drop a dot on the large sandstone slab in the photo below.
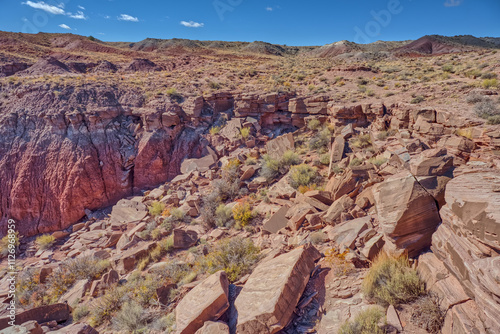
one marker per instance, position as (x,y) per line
(278,146)
(268,299)
(206,302)
(468,241)
(407,213)
(55,312)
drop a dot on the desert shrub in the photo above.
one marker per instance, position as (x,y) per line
(131,318)
(224,216)
(494,120)
(361,141)
(242,214)
(289,158)
(156,208)
(250,161)
(324,159)
(156,234)
(317,237)
(244,133)
(210,203)
(6,244)
(427,313)
(173,94)
(355,162)
(366,322)
(382,135)
(84,267)
(80,312)
(272,168)
(448,68)
(489,75)
(236,256)
(486,109)
(167,244)
(377,161)
(338,262)
(490,83)
(164,324)
(215,130)
(303,175)
(313,124)
(417,99)
(391,280)
(29,291)
(337,170)
(45,241)
(474,98)
(321,139)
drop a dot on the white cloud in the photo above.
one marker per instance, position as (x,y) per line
(453,3)
(192,24)
(79,15)
(125,17)
(269,9)
(64,26)
(56,10)
(81,7)
(107,17)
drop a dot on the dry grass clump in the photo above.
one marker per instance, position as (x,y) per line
(391,280)
(427,313)
(303,175)
(45,241)
(366,322)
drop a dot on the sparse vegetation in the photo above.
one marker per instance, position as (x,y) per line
(391,280)
(366,322)
(224,216)
(303,175)
(156,208)
(272,168)
(321,139)
(427,313)
(236,256)
(242,214)
(313,124)
(45,241)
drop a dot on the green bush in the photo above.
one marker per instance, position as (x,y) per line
(366,322)
(321,139)
(45,241)
(272,168)
(80,312)
(242,214)
(5,243)
(131,318)
(224,216)
(313,124)
(325,159)
(303,175)
(355,162)
(244,133)
(361,141)
(490,83)
(417,100)
(156,208)
(236,256)
(391,280)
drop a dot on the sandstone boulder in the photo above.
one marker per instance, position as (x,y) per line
(77,328)
(278,146)
(212,327)
(407,213)
(268,299)
(55,312)
(468,241)
(206,302)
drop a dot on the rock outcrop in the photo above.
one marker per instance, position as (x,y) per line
(268,299)
(468,243)
(206,302)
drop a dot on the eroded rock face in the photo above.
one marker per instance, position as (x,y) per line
(268,299)
(468,241)
(407,213)
(206,302)
(83,149)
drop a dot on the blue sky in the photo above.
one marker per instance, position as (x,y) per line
(288,22)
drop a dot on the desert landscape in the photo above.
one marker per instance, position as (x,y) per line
(184,186)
